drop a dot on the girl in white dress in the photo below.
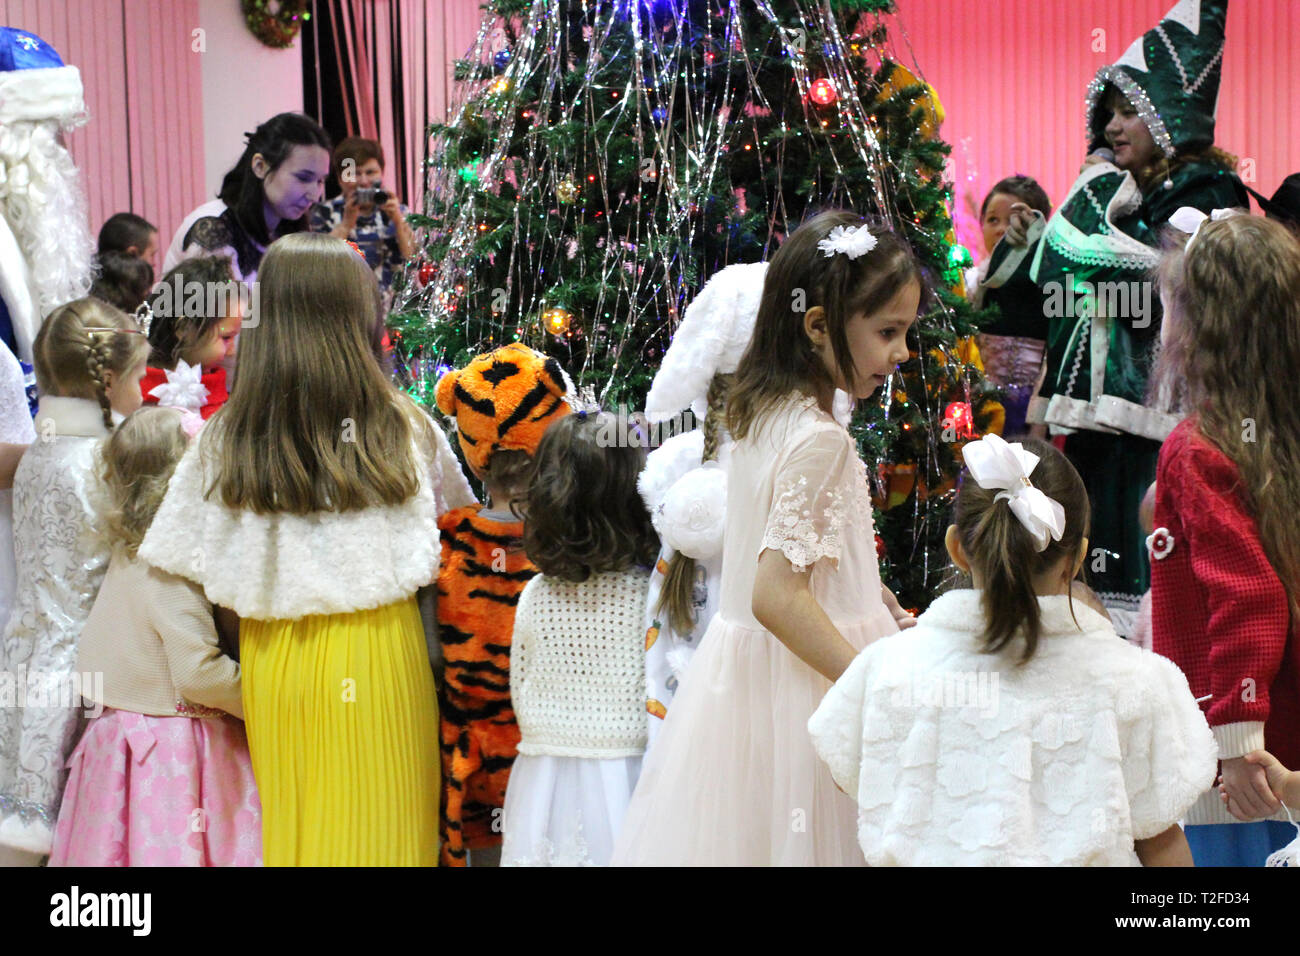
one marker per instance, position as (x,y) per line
(577,659)
(1013,726)
(733,779)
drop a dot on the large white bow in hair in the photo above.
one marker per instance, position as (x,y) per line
(994,463)
(1189,219)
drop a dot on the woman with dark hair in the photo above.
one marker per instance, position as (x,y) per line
(268,194)
(1085,274)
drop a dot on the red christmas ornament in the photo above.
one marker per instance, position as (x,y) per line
(959,418)
(822,92)
(880,548)
(425,273)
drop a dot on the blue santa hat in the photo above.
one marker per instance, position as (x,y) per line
(35,84)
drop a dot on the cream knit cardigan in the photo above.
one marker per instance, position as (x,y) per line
(577,666)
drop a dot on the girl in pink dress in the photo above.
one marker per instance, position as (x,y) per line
(733,779)
(162,777)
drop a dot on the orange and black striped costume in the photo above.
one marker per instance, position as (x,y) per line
(482,574)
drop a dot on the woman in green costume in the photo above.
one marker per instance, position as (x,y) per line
(1085,274)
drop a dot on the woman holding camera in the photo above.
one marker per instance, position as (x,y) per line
(365,212)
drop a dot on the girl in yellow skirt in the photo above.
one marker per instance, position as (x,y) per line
(309,507)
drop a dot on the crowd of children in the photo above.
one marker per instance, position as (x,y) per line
(265,689)
(255,614)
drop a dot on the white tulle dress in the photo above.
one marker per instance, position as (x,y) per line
(733,779)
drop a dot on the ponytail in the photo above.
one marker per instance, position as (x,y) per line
(1002,551)
(676,600)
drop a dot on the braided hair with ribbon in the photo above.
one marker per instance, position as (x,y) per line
(1021,517)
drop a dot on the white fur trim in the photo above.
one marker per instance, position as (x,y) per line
(1135,419)
(79,417)
(34,837)
(37,95)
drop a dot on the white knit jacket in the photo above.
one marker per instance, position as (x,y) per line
(960,758)
(577,666)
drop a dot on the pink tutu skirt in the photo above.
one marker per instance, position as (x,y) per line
(733,779)
(160,791)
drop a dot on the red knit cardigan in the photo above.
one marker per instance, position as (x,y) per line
(1218,609)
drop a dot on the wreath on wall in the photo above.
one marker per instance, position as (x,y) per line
(276,22)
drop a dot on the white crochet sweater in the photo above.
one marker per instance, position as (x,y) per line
(960,758)
(577,666)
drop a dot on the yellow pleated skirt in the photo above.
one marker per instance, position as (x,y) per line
(342,722)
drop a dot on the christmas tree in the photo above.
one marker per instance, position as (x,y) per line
(605,157)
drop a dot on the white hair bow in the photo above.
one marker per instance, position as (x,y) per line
(183,389)
(1189,219)
(994,463)
(853,241)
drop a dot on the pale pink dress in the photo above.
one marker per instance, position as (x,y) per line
(160,791)
(733,779)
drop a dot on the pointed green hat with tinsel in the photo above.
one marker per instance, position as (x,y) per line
(1171,76)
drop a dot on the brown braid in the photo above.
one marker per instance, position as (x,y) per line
(73,360)
(97,357)
(675,599)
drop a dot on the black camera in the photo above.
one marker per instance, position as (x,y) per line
(371,194)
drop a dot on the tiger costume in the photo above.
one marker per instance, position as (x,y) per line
(502,400)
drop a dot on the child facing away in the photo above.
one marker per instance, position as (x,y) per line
(502,403)
(578,658)
(194,319)
(89,358)
(1013,726)
(1225,553)
(309,506)
(162,776)
(733,779)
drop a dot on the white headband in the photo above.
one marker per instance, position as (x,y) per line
(1189,219)
(995,464)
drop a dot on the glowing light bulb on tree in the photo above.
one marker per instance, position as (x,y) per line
(822,92)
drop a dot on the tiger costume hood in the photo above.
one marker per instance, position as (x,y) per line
(505,398)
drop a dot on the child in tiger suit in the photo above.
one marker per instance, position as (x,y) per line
(502,403)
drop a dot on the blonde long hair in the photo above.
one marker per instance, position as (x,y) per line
(314,424)
(138,461)
(79,344)
(1232,346)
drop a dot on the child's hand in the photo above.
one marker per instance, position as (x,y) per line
(901,617)
(1245,789)
(1019,219)
(1284,783)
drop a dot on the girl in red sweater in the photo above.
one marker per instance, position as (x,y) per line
(1225,553)
(195,315)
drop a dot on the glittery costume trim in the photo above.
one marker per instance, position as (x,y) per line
(1137,96)
(26,811)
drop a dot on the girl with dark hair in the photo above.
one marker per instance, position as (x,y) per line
(577,662)
(191,335)
(732,779)
(1012,726)
(267,194)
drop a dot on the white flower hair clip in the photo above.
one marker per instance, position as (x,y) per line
(853,241)
(184,388)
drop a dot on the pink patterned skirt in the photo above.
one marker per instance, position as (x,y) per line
(160,791)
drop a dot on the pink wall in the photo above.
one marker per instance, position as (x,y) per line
(1011,75)
(142,150)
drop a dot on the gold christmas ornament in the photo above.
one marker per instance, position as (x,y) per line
(556,321)
(567,190)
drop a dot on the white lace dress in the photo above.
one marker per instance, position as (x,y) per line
(733,779)
(961,758)
(59,572)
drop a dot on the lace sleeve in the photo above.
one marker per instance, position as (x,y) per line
(813,499)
